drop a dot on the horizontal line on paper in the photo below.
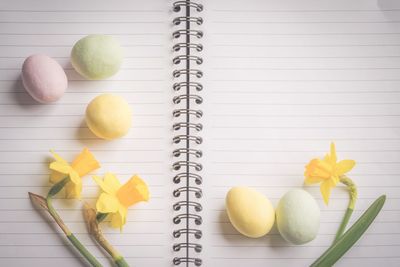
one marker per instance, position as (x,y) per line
(303,116)
(83,11)
(306,10)
(288,245)
(77,104)
(335,222)
(43,174)
(301,258)
(82,34)
(272,162)
(79,257)
(367,233)
(304,34)
(302,104)
(137,68)
(82,22)
(115,80)
(298,127)
(288,151)
(116,173)
(296,69)
(305,57)
(70,115)
(291,175)
(325,211)
(76,209)
(67,127)
(79,138)
(86,245)
(61,198)
(310,139)
(305,80)
(92,149)
(333,92)
(49,186)
(104,162)
(84,233)
(67,57)
(55,45)
(319,198)
(300,186)
(95,92)
(71,221)
(302,22)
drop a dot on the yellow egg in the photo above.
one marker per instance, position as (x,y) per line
(109,116)
(249,211)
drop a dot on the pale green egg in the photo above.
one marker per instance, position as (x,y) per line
(97,56)
(249,211)
(298,217)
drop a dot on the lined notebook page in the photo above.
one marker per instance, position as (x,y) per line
(284,79)
(29,130)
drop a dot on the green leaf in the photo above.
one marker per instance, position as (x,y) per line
(348,239)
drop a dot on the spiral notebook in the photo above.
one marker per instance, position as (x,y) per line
(224,93)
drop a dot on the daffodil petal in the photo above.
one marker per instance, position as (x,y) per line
(74,176)
(109,184)
(56,176)
(345,166)
(60,167)
(58,158)
(73,190)
(333,156)
(111,181)
(326,190)
(107,203)
(118,219)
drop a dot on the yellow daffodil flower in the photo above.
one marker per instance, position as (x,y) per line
(327,171)
(84,163)
(116,198)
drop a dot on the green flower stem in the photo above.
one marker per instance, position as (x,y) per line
(352,202)
(79,246)
(121,262)
(351,236)
(50,208)
(343,225)
(92,220)
(118,258)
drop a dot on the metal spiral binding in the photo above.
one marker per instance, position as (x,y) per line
(187,129)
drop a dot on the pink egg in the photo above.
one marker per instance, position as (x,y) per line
(43,78)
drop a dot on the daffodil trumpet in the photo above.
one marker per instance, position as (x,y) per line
(329,172)
(113,202)
(68,177)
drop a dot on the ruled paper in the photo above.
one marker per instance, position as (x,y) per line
(283,80)
(28,130)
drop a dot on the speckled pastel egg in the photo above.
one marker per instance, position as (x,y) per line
(43,78)
(298,217)
(249,211)
(109,116)
(97,56)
